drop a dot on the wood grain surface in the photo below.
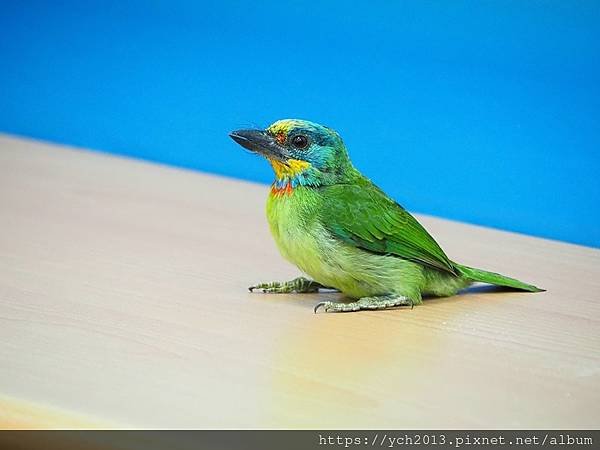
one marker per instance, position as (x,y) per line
(124,303)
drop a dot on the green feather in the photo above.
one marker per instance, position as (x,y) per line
(361,215)
(484,276)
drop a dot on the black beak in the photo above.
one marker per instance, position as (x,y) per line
(259,142)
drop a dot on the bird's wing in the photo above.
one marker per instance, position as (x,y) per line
(363,216)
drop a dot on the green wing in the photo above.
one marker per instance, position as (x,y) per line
(363,216)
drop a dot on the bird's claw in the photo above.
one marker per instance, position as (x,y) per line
(264,287)
(366,303)
(318,305)
(298,285)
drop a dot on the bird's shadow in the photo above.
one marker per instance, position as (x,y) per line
(477,289)
(489,289)
(335,295)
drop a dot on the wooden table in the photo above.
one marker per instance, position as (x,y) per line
(123,303)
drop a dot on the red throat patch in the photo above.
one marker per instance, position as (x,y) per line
(285,190)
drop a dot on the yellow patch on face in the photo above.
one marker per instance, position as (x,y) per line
(288,169)
(282,127)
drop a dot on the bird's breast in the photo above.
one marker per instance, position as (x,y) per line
(294,222)
(303,240)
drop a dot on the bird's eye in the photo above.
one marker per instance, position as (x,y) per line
(300,141)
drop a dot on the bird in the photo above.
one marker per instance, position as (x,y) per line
(344,232)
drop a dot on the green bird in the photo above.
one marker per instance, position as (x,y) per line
(344,232)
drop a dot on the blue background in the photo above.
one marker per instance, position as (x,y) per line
(485,112)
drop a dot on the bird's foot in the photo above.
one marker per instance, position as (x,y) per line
(368,303)
(299,285)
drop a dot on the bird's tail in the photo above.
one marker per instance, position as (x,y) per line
(494,278)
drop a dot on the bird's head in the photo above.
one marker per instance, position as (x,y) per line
(301,152)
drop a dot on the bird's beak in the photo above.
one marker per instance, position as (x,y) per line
(259,142)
